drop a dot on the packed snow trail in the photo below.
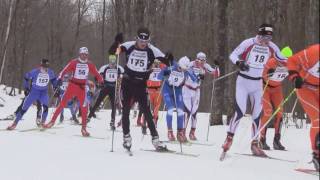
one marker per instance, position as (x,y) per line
(61,153)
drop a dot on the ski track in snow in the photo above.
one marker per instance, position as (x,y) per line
(61,154)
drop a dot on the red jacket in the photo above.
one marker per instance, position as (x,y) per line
(81,71)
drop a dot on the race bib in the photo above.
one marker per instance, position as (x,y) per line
(138,61)
(314,71)
(42,79)
(154,75)
(258,56)
(176,78)
(279,74)
(111,75)
(82,71)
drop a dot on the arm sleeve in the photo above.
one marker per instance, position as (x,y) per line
(26,80)
(53,79)
(277,53)
(293,65)
(93,70)
(66,70)
(164,72)
(236,53)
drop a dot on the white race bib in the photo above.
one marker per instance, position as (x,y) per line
(111,75)
(154,75)
(279,74)
(176,78)
(42,79)
(314,71)
(258,56)
(82,71)
(138,61)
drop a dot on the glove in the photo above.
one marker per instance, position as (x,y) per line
(298,81)
(59,83)
(201,76)
(169,57)
(119,38)
(57,92)
(243,66)
(26,91)
(270,72)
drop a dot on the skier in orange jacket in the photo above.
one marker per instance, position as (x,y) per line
(303,70)
(274,73)
(154,91)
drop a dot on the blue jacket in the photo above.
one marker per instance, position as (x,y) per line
(175,77)
(39,80)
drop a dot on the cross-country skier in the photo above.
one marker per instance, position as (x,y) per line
(274,73)
(80,68)
(140,55)
(154,91)
(110,72)
(172,94)
(251,56)
(304,70)
(40,78)
(191,90)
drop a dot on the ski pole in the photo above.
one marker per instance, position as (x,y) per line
(175,103)
(211,104)
(114,103)
(275,112)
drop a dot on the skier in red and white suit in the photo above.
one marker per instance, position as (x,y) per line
(80,68)
(191,90)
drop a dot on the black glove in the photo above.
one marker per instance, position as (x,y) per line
(201,76)
(169,58)
(26,91)
(270,72)
(298,81)
(243,66)
(57,92)
(119,38)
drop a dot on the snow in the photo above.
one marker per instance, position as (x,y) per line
(61,154)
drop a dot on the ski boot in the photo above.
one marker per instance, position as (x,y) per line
(263,144)
(277,144)
(127,141)
(12,126)
(192,135)
(181,136)
(256,151)
(38,122)
(144,130)
(61,119)
(84,132)
(74,118)
(112,126)
(171,136)
(158,144)
(228,142)
(315,160)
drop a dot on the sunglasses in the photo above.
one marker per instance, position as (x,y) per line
(266,37)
